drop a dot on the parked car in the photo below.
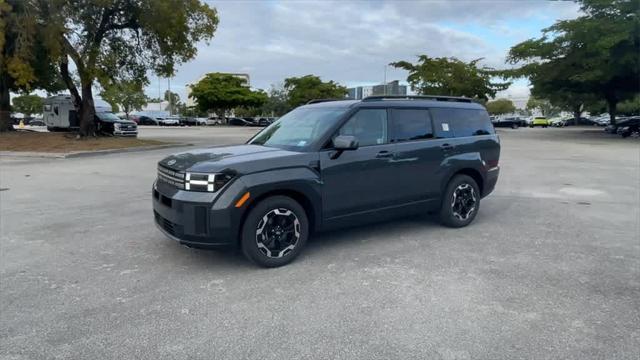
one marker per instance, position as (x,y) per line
(193,121)
(262,121)
(169,121)
(511,122)
(629,127)
(539,121)
(559,122)
(147,120)
(109,123)
(213,121)
(326,165)
(600,120)
(239,121)
(37,122)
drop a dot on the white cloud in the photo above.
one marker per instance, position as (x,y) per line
(351,42)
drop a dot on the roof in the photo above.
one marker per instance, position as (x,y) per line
(397,102)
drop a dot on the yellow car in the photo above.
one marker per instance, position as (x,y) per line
(539,121)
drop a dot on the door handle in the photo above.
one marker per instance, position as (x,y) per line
(384,154)
(446,147)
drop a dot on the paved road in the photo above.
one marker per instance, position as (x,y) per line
(550,269)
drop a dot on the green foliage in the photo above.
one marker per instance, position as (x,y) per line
(543,106)
(28,104)
(24,62)
(191,111)
(174,102)
(118,40)
(220,92)
(500,106)
(125,95)
(299,90)
(450,76)
(277,103)
(592,55)
(630,107)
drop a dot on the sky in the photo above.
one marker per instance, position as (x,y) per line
(351,42)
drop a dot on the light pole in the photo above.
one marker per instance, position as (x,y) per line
(385,80)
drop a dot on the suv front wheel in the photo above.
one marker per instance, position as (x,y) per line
(275,231)
(461,202)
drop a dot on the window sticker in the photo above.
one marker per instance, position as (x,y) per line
(445,127)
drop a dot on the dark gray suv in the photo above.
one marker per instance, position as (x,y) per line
(329,164)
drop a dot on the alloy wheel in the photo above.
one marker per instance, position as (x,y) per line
(278,232)
(464,201)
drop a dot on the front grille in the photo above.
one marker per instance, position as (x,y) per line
(167,225)
(171,177)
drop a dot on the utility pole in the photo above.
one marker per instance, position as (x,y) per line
(159,94)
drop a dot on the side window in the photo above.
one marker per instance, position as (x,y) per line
(461,122)
(411,124)
(55,110)
(369,126)
(442,123)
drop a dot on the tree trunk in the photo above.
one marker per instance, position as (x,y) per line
(87,112)
(613,105)
(577,111)
(5,105)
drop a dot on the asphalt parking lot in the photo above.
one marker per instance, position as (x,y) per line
(549,269)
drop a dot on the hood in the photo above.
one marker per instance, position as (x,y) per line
(234,159)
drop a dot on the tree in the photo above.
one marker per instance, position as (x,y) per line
(24,62)
(28,104)
(543,106)
(500,106)
(115,40)
(174,101)
(630,107)
(452,77)
(277,102)
(220,92)
(300,90)
(592,55)
(125,95)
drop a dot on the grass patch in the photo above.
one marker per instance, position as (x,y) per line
(66,142)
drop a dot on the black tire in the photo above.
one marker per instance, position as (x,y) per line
(275,209)
(514,126)
(448,216)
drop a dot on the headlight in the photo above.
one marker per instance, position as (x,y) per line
(116,125)
(205,182)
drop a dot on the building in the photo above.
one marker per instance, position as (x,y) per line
(190,102)
(390,88)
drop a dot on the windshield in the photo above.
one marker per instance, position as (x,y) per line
(298,128)
(107,116)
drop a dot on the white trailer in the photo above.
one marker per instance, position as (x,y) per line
(59,114)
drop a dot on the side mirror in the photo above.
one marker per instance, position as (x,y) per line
(345,142)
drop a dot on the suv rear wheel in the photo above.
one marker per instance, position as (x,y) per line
(461,202)
(275,231)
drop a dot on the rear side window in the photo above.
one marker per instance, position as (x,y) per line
(411,124)
(461,122)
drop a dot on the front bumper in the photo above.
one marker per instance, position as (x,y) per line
(125,133)
(197,219)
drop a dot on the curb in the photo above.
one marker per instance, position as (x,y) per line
(78,154)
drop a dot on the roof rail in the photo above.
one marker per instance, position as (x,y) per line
(418,97)
(315,101)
